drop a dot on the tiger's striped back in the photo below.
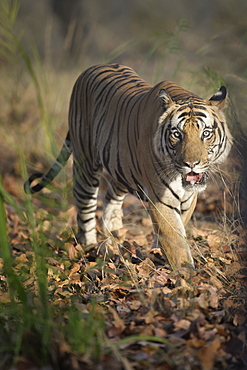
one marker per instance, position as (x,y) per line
(178,94)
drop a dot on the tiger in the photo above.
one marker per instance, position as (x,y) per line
(159,142)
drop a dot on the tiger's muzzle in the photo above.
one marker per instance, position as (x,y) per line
(193,175)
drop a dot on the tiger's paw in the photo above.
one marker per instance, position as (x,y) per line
(87,239)
(113,224)
(112,218)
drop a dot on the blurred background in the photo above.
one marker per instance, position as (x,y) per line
(78,32)
(46,44)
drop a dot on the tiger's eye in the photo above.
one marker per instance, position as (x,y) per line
(176,134)
(206,133)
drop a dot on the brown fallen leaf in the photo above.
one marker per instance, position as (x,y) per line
(216,282)
(207,354)
(182,324)
(214,241)
(148,330)
(122,309)
(134,305)
(159,277)
(195,342)
(145,268)
(75,268)
(72,251)
(199,232)
(146,222)
(202,300)
(159,332)
(117,321)
(198,327)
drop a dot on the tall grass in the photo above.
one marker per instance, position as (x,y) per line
(25,64)
(29,322)
(25,313)
(12,49)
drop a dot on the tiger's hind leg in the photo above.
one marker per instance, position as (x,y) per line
(86,186)
(112,216)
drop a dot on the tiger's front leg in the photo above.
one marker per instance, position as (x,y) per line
(112,216)
(171,235)
(85,189)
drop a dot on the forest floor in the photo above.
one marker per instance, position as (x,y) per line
(119,305)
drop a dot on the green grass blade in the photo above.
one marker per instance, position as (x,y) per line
(146,338)
(12,202)
(15,286)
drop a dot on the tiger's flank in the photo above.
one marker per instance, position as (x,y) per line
(160,138)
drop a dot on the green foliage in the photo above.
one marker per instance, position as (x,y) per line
(15,287)
(24,67)
(8,41)
(214,79)
(25,314)
(28,318)
(84,331)
(12,49)
(168,42)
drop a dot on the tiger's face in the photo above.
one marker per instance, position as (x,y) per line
(193,139)
(191,144)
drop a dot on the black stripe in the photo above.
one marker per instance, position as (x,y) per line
(171,190)
(184,114)
(201,107)
(184,201)
(215,125)
(164,130)
(136,134)
(88,220)
(165,204)
(199,114)
(184,210)
(161,178)
(84,194)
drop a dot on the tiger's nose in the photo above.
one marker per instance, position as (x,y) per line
(191,164)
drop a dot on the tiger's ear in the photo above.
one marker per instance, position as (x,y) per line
(165,98)
(219,98)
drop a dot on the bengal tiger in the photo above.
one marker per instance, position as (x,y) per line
(161,141)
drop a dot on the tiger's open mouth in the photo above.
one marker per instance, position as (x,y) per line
(194,178)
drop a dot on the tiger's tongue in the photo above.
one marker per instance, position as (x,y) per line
(192,176)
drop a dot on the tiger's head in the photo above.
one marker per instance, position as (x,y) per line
(193,136)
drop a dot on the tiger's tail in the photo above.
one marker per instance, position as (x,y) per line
(53,171)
